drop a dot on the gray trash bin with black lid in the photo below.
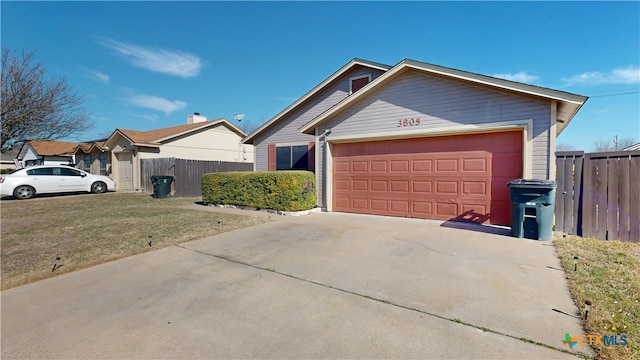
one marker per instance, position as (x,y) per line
(532,208)
(161,186)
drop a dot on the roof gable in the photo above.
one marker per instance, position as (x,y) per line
(568,103)
(52,148)
(323,85)
(157,137)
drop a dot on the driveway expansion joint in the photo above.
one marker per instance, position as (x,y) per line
(383,301)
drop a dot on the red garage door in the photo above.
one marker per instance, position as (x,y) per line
(461,177)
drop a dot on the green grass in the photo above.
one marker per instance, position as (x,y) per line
(608,275)
(86,230)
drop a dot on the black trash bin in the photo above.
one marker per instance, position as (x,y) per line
(161,186)
(532,208)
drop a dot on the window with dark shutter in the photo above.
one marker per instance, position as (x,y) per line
(292,157)
(357,83)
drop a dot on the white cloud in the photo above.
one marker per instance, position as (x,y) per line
(99,76)
(149,117)
(171,62)
(157,103)
(522,76)
(628,75)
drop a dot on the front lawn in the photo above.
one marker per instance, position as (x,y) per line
(86,230)
(607,275)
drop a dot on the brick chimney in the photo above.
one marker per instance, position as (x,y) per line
(196,118)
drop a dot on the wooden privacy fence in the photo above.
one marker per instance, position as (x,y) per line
(598,194)
(187,173)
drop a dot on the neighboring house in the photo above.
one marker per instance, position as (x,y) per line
(93,158)
(47,152)
(8,159)
(417,140)
(199,139)
(633,147)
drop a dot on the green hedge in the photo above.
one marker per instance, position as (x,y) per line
(277,190)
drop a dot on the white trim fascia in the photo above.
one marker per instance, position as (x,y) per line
(295,143)
(368,76)
(317,148)
(577,100)
(444,130)
(328,157)
(208,124)
(313,91)
(551,153)
(497,82)
(526,125)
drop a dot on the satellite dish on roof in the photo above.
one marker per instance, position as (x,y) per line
(238,117)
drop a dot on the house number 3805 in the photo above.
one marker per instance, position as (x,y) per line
(409,122)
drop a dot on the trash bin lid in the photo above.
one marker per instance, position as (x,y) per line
(532,183)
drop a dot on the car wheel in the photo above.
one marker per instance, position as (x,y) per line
(24,192)
(98,187)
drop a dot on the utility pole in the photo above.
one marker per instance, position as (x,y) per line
(615,142)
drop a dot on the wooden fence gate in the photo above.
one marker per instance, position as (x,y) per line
(598,194)
(187,173)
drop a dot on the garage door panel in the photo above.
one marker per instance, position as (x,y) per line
(399,166)
(423,209)
(379,185)
(341,203)
(341,185)
(379,205)
(474,188)
(378,166)
(399,186)
(340,167)
(475,165)
(448,210)
(360,204)
(399,206)
(422,186)
(360,185)
(446,187)
(422,165)
(446,165)
(359,166)
(462,177)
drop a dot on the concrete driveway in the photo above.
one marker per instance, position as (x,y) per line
(323,285)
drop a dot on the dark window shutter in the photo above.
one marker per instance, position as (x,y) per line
(312,156)
(357,84)
(272,157)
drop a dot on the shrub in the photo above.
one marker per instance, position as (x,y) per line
(277,190)
(6,171)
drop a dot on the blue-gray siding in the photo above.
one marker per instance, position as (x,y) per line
(441,102)
(286,130)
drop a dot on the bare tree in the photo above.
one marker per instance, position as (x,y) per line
(603,145)
(565,147)
(626,141)
(34,107)
(613,144)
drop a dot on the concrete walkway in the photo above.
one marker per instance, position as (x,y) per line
(318,286)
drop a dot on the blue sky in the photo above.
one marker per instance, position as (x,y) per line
(146,65)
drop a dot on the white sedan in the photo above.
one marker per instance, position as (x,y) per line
(46,179)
